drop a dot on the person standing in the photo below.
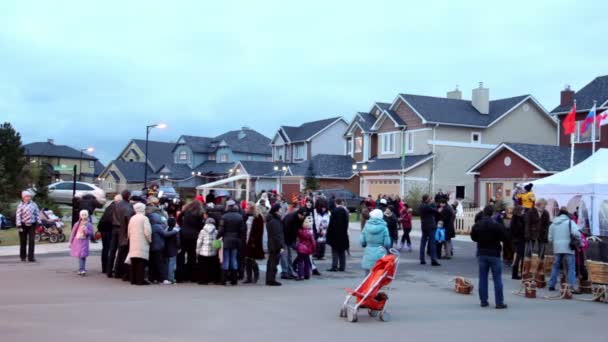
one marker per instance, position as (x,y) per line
(376,240)
(489,235)
(139,236)
(254,219)
(119,246)
(291,224)
(276,241)
(428,214)
(233,231)
(105,229)
(537,221)
(406,224)
(190,222)
(392,223)
(448,217)
(306,247)
(172,246)
(210,198)
(157,271)
(564,234)
(517,228)
(79,241)
(322,218)
(337,236)
(27,217)
(208,260)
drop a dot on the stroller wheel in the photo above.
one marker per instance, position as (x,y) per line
(385,316)
(53,238)
(62,237)
(351,315)
(343,312)
(37,238)
(372,313)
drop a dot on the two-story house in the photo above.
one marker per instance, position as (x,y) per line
(61,159)
(431,142)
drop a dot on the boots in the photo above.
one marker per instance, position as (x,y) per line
(223,278)
(248,272)
(540,275)
(234,277)
(256,272)
(527,274)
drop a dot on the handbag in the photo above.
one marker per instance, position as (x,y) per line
(573,245)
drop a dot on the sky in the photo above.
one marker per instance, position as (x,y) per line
(95,73)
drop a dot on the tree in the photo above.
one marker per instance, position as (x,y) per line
(12,165)
(312,182)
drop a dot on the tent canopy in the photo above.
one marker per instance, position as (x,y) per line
(217,185)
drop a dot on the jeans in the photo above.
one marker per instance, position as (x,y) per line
(171,265)
(231,261)
(520,249)
(487,264)
(82,264)
(287,262)
(428,237)
(338,259)
(106,241)
(557,263)
(156,267)
(26,237)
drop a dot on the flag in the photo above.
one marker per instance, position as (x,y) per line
(570,121)
(602,118)
(588,120)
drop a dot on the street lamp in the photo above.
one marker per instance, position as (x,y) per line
(148,128)
(88,150)
(282,169)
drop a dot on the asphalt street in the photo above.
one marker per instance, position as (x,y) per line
(48,301)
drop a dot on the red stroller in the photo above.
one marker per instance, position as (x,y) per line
(368,295)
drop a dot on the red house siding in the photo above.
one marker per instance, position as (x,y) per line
(410,118)
(495,167)
(564,140)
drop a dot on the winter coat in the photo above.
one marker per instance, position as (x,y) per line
(159,232)
(172,242)
(337,232)
(139,234)
(517,228)
(291,225)
(537,227)
(121,219)
(105,223)
(376,241)
(306,242)
(321,223)
(393,226)
(448,216)
(274,230)
(80,247)
(232,229)
(255,236)
(428,214)
(488,234)
(406,220)
(204,243)
(191,224)
(559,234)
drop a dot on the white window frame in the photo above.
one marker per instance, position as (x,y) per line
(358,144)
(300,151)
(91,164)
(384,139)
(478,142)
(349,146)
(409,145)
(279,154)
(183,153)
(577,133)
(223,157)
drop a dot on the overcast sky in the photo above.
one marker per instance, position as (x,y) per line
(95,75)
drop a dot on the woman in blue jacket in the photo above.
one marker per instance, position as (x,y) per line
(375,239)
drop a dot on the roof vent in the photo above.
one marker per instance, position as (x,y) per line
(51,141)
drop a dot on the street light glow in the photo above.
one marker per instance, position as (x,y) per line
(90,149)
(161,125)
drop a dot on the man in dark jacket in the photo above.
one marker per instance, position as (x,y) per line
(489,235)
(232,230)
(517,228)
(105,228)
(337,236)
(537,222)
(428,214)
(447,216)
(292,222)
(120,238)
(276,240)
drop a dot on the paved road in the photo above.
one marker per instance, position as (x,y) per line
(47,300)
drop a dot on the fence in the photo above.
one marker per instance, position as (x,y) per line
(464,223)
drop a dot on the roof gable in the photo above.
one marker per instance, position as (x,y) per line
(596,90)
(307,130)
(47,149)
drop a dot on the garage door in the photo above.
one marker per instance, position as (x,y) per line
(387,187)
(291,191)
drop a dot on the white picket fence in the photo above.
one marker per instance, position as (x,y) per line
(464,223)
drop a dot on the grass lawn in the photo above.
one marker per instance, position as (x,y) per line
(10,237)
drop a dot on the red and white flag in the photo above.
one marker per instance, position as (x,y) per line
(602,118)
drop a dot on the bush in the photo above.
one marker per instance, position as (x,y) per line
(414,198)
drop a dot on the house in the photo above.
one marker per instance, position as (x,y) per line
(594,92)
(189,162)
(293,144)
(61,159)
(509,164)
(430,143)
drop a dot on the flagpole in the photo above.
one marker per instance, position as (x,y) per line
(572,142)
(593,128)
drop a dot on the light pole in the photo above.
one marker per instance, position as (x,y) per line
(148,128)
(356,168)
(88,150)
(280,169)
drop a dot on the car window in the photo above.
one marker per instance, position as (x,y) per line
(83,187)
(63,186)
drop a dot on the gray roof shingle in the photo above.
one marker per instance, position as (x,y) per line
(326,166)
(160,153)
(395,164)
(133,171)
(211,167)
(198,144)
(306,130)
(595,90)
(246,141)
(46,149)
(395,117)
(551,158)
(459,112)
(259,168)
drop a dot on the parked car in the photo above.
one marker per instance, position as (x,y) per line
(352,200)
(61,192)
(5,223)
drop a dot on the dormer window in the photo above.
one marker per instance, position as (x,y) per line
(475,138)
(183,156)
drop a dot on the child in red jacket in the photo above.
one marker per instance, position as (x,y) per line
(405,218)
(305,247)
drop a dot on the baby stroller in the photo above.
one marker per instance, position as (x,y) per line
(52,233)
(368,295)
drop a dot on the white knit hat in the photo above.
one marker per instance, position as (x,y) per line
(26,193)
(376,213)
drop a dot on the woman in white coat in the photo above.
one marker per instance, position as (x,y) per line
(140,236)
(562,232)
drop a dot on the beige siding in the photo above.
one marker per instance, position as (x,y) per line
(127,155)
(330,141)
(451,165)
(530,126)
(419,178)
(421,138)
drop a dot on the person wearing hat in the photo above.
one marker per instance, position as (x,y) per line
(276,240)
(206,249)
(527,198)
(375,238)
(27,218)
(233,231)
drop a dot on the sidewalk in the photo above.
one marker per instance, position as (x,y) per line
(46,248)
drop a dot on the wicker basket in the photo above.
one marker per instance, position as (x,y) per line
(549,264)
(463,286)
(598,272)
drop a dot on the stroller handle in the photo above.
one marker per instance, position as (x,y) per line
(394,251)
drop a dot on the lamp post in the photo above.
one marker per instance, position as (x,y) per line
(281,170)
(88,150)
(148,128)
(357,168)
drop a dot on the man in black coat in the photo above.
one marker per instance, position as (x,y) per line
(489,235)
(232,230)
(337,236)
(292,222)
(428,213)
(276,240)
(105,228)
(517,229)
(447,216)
(120,238)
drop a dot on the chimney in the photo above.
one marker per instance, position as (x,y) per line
(455,94)
(51,141)
(481,99)
(567,97)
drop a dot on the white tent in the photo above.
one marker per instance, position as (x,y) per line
(220,185)
(588,181)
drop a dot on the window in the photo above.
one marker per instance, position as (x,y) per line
(224,157)
(183,156)
(475,138)
(110,185)
(83,187)
(358,144)
(64,186)
(349,146)
(460,191)
(300,151)
(249,157)
(91,164)
(587,135)
(279,153)
(387,143)
(212,157)
(409,142)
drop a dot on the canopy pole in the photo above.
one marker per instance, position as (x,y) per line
(571,150)
(247,189)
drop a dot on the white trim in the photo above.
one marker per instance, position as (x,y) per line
(356,144)
(366,146)
(417,179)
(381,177)
(454,124)
(495,152)
(402,170)
(381,136)
(460,144)
(351,127)
(478,140)
(543,172)
(285,135)
(419,130)
(399,97)
(406,144)
(326,127)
